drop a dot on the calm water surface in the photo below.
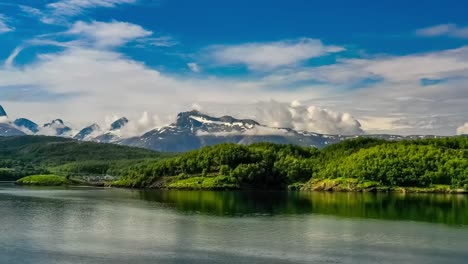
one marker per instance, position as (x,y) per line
(82,225)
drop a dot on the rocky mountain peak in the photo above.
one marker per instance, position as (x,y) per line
(87,132)
(28,124)
(2,112)
(197,119)
(119,123)
(54,122)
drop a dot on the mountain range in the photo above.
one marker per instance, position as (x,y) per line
(191,130)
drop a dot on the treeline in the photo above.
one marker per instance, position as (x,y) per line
(417,163)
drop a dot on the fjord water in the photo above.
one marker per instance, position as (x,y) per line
(86,225)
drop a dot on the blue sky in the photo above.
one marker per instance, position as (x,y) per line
(326,66)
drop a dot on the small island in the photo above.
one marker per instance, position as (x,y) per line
(44,180)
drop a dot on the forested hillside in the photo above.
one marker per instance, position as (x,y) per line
(28,155)
(358,164)
(362,162)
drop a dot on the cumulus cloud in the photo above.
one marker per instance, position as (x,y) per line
(449,30)
(307,117)
(260,56)
(110,34)
(143,124)
(463,130)
(4,27)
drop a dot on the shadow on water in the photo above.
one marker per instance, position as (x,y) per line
(437,208)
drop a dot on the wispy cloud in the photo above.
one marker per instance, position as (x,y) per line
(12,57)
(193,67)
(163,41)
(4,27)
(270,55)
(59,12)
(37,13)
(74,7)
(438,65)
(110,34)
(448,30)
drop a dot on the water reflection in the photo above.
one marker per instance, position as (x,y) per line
(439,208)
(86,225)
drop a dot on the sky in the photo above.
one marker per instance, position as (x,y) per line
(335,67)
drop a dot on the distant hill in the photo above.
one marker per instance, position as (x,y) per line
(352,165)
(22,155)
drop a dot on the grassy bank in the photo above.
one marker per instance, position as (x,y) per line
(355,185)
(44,180)
(211,182)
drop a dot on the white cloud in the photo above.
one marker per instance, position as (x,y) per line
(4,27)
(194,67)
(143,124)
(75,7)
(261,56)
(37,13)
(98,81)
(163,41)
(449,30)
(307,117)
(61,11)
(443,64)
(110,34)
(463,130)
(11,58)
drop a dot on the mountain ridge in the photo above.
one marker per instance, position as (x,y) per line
(192,130)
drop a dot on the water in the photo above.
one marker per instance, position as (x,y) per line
(83,225)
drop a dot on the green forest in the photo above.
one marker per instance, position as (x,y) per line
(362,163)
(352,165)
(30,155)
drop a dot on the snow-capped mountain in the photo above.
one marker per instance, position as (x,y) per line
(6,127)
(2,112)
(192,130)
(57,128)
(114,134)
(88,133)
(26,125)
(7,130)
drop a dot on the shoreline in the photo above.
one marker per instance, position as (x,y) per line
(315,185)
